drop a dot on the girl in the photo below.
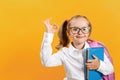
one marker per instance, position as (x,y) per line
(74,39)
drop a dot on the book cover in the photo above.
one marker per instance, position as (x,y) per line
(99,53)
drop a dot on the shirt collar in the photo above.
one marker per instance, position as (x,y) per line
(72,48)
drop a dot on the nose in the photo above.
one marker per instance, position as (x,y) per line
(80,32)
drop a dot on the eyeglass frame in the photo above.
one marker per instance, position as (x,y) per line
(80,29)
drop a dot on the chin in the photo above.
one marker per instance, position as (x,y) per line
(80,41)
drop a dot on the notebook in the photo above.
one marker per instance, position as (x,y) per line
(99,53)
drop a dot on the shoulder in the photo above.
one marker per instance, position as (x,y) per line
(94,43)
(65,49)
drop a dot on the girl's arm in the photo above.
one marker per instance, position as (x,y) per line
(49,59)
(106,66)
(46,50)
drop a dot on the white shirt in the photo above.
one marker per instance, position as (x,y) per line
(71,58)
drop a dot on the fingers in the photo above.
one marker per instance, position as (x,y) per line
(55,27)
(47,22)
(89,66)
(94,57)
(51,28)
(93,64)
(89,61)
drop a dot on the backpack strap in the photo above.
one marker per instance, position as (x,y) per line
(93,43)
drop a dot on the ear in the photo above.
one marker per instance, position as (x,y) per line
(68,33)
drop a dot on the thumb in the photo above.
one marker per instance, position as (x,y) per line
(94,57)
(47,22)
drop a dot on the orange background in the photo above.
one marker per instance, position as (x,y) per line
(21,33)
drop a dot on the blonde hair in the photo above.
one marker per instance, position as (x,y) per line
(62,34)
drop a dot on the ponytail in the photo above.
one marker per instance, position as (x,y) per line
(62,34)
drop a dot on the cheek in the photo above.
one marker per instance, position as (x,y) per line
(70,34)
(87,35)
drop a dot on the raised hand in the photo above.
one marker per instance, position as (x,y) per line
(50,28)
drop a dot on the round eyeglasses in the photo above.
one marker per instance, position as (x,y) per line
(76,30)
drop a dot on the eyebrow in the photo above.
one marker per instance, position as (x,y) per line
(79,27)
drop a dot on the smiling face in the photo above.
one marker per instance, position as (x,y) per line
(79,30)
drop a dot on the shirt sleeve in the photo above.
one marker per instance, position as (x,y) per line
(106,66)
(49,59)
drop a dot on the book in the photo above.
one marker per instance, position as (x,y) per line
(99,53)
